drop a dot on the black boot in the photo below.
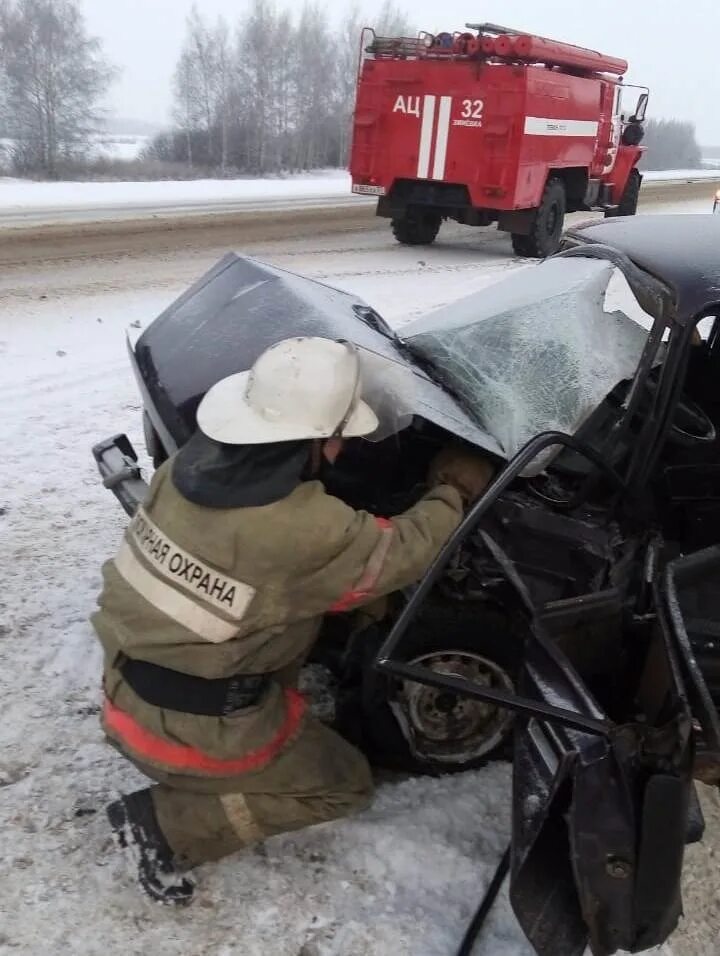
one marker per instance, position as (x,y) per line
(137,832)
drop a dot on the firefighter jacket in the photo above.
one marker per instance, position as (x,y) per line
(217,591)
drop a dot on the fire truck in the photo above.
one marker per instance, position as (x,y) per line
(493,125)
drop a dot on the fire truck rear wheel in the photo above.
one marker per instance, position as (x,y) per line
(547,227)
(416,229)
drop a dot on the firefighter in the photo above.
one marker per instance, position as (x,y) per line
(216,596)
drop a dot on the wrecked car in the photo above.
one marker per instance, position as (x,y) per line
(571,620)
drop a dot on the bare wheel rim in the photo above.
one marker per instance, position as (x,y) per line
(453,729)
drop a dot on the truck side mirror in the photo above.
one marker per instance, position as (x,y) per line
(640,109)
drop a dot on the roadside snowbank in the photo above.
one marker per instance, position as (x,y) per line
(16,195)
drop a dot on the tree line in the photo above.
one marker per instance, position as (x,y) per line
(671,144)
(268,93)
(271,92)
(52,78)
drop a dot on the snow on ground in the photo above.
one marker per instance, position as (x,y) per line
(108,145)
(402,878)
(678,175)
(116,146)
(17,196)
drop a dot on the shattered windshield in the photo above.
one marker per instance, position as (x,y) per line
(536,352)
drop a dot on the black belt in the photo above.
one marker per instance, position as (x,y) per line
(208,697)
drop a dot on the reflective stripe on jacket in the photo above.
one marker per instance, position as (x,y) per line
(213,592)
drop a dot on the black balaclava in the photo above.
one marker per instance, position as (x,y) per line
(215,475)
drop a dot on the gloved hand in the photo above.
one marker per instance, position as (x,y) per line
(467,471)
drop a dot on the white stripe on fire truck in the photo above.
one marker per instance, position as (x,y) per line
(441,141)
(541,126)
(426,131)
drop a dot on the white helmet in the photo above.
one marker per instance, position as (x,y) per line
(297,389)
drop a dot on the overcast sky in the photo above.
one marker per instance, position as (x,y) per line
(672,47)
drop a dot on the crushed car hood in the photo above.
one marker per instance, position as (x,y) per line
(534,352)
(240,308)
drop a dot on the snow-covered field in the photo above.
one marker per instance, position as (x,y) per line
(108,145)
(44,200)
(401,879)
(118,146)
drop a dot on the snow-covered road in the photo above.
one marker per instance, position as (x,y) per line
(400,879)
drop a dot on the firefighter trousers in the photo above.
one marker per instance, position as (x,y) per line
(316,778)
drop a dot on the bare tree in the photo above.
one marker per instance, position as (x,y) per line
(348,52)
(4,92)
(285,123)
(392,21)
(223,82)
(55,77)
(186,113)
(259,56)
(199,69)
(278,96)
(203,84)
(315,83)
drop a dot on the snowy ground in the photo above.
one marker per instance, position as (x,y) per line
(678,175)
(119,146)
(23,203)
(400,879)
(44,201)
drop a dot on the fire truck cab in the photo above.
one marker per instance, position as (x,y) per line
(493,125)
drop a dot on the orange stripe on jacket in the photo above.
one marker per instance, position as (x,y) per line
(362,589)
(147,746)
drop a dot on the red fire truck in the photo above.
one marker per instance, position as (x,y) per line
(493,125)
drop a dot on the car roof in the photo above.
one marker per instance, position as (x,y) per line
(683,251)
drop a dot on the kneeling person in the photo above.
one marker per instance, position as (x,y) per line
(216,596)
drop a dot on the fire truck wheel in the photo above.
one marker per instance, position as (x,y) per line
(544,237)
(416,229)
(630,197)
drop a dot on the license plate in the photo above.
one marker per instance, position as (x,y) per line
(369,190)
